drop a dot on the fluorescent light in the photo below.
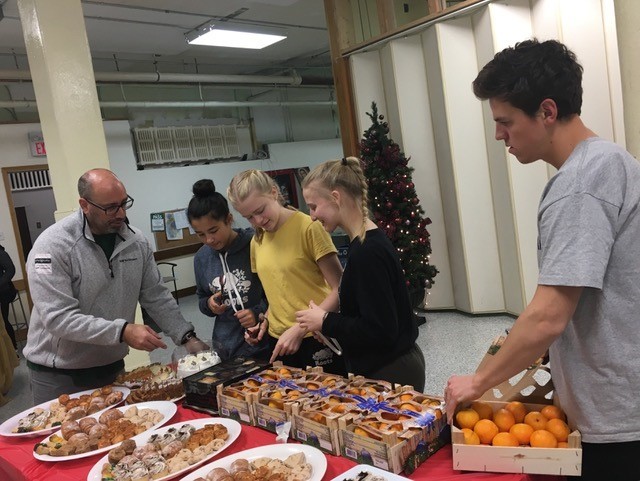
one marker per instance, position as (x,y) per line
(235,39)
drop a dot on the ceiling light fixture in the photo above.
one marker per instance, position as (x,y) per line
(218,37)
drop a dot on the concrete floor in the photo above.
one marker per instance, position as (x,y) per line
(452,343)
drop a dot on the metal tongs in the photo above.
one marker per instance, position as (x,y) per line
(331,342)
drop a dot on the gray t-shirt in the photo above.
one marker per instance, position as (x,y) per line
(589,236)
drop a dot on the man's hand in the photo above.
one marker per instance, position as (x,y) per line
(195,345)
(246,318)
(460,390)
(253,335)
(142,337)
(214,305)
(289,342)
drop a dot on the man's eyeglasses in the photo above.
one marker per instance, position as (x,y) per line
(112,209)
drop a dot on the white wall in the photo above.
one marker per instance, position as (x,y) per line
(154,189)
(486,237)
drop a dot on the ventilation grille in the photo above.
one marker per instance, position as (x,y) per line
(169,145)
(29,180)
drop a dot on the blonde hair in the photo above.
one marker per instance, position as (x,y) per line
(348,175)
(246,183)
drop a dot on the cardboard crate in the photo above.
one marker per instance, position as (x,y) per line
(201,388)
(393,451)
(271,410)
(236,404)
(313,426)
(522,459)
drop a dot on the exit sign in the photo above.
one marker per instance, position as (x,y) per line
(36,142)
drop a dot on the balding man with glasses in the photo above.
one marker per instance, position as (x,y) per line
(86,274)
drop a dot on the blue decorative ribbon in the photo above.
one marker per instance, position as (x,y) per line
(373,405)
(323,391)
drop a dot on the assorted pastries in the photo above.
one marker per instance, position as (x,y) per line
(293,468)
(68,408)
(163,454)
(88,434)
(194,363)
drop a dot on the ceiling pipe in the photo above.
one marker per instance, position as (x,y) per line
(159,77)
(31,104)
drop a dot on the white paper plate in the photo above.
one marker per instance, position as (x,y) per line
(314,456)
(166,408)
(10,424)
(353,472)
(233,428)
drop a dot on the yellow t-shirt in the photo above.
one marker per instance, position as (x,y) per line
(286,262)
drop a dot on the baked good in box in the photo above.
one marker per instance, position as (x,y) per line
(193,363)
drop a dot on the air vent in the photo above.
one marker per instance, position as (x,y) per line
(29,180)
(170,145)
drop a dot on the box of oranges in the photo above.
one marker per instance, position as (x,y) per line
(515,437)
(515,428)
(396,434)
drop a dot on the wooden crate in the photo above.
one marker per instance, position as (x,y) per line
(522,459)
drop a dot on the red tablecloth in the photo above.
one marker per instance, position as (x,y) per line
(18,464)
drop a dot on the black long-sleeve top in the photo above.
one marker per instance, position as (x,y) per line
(375,324)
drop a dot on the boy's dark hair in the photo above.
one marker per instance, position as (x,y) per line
(528,73)
(206,201)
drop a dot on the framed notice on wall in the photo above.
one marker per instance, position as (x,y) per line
(286,182)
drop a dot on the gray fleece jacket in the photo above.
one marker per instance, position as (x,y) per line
(82,300)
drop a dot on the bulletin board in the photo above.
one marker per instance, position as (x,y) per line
(171,248)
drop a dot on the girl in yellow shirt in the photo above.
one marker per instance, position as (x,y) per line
(297,263)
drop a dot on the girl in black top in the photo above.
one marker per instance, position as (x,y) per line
(375,326)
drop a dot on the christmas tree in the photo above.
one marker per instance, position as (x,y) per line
(395,206)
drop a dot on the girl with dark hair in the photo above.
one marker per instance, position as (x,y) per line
(226,287)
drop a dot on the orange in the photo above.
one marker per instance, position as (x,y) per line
(276,404)
(522,432)
(319,418)
(517,409)
(410,407)
(293,394)
(406,397)
(484,410)
(504,439)
(486,430)
(504,420)
(563,445)
(543,439)
(536,420)
(553,412)
(276,395)
(467,418)
(559,429)
(361,432)
(470,437)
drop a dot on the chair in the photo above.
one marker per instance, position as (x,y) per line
(171,278)
(25,320)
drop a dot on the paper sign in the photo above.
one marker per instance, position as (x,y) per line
(157,222)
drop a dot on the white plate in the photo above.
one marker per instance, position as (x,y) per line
(233,428)
(353,472)
(10,424)
(314,456)
(166,408)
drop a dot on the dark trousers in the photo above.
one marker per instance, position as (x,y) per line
(409,368)
(610,461)
(312,353)
(4,307)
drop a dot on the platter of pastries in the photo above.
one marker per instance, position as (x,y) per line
(49,416)
(99,433)
(167,452)
(275,462)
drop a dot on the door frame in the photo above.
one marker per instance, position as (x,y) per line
(14,221)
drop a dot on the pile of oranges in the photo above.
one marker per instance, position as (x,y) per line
(512,425)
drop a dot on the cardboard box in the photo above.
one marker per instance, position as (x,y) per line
(236,404)
(274,404)
(201,388)
(317,427)
(523,459)
(393,451)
